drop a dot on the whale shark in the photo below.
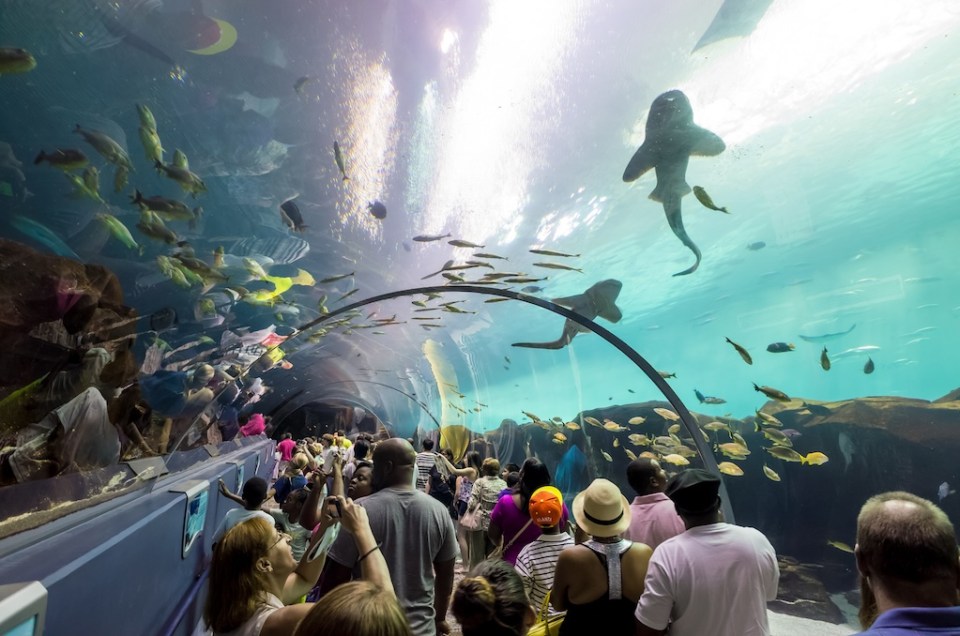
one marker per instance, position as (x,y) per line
(598,300)
(671,139)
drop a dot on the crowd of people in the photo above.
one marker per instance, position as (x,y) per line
(666,562)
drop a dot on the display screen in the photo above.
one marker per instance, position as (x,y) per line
(26,628)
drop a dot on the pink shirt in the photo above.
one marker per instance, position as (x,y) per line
(254,426)
(653,520)
(286,447)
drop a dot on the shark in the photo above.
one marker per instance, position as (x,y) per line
(671,139)
(598,300)
(734,18)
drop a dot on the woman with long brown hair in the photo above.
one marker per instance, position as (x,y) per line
(253,574)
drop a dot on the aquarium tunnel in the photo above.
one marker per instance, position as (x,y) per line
(718,234)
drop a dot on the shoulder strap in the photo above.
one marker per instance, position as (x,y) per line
(517,536)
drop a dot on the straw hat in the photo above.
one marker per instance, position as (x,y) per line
(601,510)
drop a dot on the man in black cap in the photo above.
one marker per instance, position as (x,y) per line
(715,578)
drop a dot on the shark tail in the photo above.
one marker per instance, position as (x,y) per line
(672,208)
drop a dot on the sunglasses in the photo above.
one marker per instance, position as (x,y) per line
(283,535)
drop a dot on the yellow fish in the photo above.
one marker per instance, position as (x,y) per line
(573,426)
(118,229)
(674,428)
(636,420)
(729,468)
(815,458)
(667,414)
(771,473)
(677,460)
(840,545)
(705,199)
(630,454)
(606,455)
(593,421)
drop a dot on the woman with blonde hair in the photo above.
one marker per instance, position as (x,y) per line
(253,574)
(491,602)
(358,608)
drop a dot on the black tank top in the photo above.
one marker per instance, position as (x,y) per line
(611,611)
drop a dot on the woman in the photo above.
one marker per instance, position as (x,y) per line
(466,476)
(510,519)
(359,608)
(483,498)
(253,574)
(491,602)
(600,581)
(292,479)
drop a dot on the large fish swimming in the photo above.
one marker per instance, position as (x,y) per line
(671,139)
(599,300)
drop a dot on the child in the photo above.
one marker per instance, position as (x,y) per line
(537,561)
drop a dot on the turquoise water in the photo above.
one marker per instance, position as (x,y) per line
(507,125)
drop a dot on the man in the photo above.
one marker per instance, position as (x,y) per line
(416,536)
(909,573)
(426,459)
(537,561)
(653,518)
(714,578)
(285,447)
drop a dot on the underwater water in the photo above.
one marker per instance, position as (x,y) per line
(828,131)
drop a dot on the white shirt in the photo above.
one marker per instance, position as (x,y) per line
(714,579)
(537,565)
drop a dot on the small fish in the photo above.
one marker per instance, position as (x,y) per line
(487,255)
(496,300)
(507,359)
(573,426)
(734,450)
(291,216)
(606,455)
(152,148)
(333,279)
(676,460)
(378,210)
(630,454)
(743,352)
(666,375)
(780,347)
(769,419)
(338,157)
(523,279)
(772,393)
(944,491)
(636,420)
(531,289)
(840,545)
(824,360)
(347,295)
(180,159)
(592,421)
(815,458)
(462,243)
(15,60)
(118,229)
(63,158)
(552,253)
(558,266)
(301,82)
(427,238)
(777,436)
(187,180)
(759,245)
(147,120)
(667,414)
(708,399)
(828,336)
(715,426)
(630,391)
(121,178)
(729,468)
(705,199)
(868,367)
(786,454)
(770,473)
(106,146)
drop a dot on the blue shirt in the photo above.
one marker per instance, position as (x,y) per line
(906,621)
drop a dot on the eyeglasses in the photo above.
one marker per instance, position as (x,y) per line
(283,535)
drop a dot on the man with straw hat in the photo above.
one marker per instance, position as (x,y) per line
(715,578)
(599,581)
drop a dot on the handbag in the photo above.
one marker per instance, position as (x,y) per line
(498,551)
(470,520)
(547,625)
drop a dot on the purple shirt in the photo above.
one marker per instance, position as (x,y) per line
(653,520)
(908,621)
(510,520)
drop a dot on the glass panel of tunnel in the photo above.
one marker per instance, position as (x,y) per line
(191,191)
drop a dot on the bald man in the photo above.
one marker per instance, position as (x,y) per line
(909,570)
(416,536)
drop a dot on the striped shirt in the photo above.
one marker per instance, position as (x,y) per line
(425,461)
(536,565)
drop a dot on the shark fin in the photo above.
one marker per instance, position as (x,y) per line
(577,300)
(611,313)
(642,160)
(706,143)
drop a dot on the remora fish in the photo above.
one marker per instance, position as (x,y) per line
(426,238)
(743,352)
(828,336)
(291,216)
(671,139)
(598,300)
(338,157)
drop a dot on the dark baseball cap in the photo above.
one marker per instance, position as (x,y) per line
(694,491)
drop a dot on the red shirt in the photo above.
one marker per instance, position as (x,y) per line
(286,447)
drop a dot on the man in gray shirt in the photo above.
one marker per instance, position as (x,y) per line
(417,537)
